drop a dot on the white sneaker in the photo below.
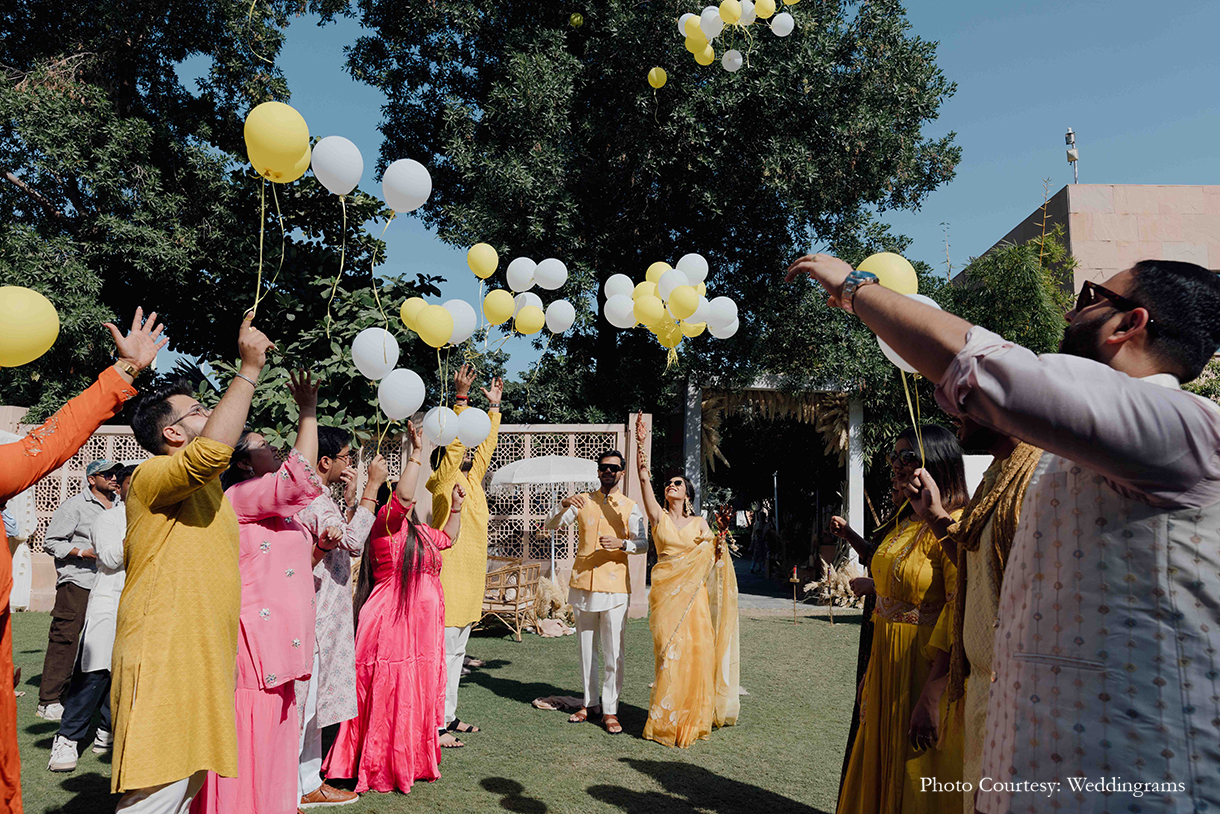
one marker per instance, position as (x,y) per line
(103,742)
(50,712)
(63,755)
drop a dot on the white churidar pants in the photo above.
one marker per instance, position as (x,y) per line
(170,798)
(604,628)
(309,777)
(455,653)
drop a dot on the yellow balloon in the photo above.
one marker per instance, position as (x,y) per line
(683,301)
(644,288)
(649,310)
(530,320)
(691,28)
(764,8)
(410,310)
(893,271)
(707,56)
(693,329)
(696,44)
(483,260)
(277,134)
(434,325)
(653,275)
(670,335)
(29,325)
(730,11)
(657,77)
(498,306)
(701,289)
(280,172)
(791,2)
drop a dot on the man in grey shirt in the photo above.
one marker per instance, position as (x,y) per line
(67,540)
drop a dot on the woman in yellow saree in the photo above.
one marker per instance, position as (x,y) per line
(692,607)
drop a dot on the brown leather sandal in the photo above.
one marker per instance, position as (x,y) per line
(612,725)
(585,713)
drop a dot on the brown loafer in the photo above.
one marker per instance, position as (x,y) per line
(612,725)
(328,795)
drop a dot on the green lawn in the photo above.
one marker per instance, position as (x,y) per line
(783,758)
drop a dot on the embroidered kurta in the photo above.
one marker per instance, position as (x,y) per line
(22,464)
(464,574)
(176,637)
(275,643)
(335,626)
(1105,664)
(913,579)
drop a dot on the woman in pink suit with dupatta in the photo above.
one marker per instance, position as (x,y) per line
(394,740)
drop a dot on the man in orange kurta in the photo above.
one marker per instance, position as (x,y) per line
(22,464)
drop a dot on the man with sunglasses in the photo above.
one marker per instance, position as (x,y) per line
(1106,637)
(67,540)
(609,526)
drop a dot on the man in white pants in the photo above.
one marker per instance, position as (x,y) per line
(609,527)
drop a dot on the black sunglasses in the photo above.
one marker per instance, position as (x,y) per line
(1091,293)
(905,456)
(675,482)
(609,468)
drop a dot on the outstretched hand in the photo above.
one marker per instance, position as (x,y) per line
(641,431)
(825,269)
(304,389)
(458,497)
(463,377)
(139,348)
(496,392)
(416,434)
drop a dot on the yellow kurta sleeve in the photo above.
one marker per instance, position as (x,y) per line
(168,479)
(440,483)
(483,453)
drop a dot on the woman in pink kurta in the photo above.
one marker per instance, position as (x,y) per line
(276,625)
(400,647)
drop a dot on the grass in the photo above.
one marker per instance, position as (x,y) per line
(783,757)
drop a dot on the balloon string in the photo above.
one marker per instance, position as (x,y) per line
(342,253)
(245,44)
(262,226)
(671,358)
(914,423)
(381,438)
(373,272)
(283,237)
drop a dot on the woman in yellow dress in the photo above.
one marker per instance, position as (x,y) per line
(692,607)
(913,580)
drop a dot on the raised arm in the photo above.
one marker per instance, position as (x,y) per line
(650,499)
(282,493)
(404,492)
(229,418)
(484,451)
(305,393)
(454,524)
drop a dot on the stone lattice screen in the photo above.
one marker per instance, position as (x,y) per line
(517,516)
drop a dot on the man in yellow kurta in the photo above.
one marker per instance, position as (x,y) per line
(464,569)
(175,646)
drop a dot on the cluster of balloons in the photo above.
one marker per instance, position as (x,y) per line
(895,272)
(518,303)
(450,323)
(701,30)
(671,302)
(29,325)
(277,144)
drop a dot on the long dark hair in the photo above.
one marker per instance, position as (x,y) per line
(412,555)
(241,452)
(943,460)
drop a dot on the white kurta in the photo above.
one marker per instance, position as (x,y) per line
(97,639)
(1106,652)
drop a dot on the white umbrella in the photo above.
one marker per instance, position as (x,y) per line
(552,469)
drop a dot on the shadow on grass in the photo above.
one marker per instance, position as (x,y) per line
(631,717)
(512,798)
(692,789)
(91,794)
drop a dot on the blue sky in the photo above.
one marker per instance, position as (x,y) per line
(1134,80)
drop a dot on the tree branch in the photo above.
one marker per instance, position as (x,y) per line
(50,207)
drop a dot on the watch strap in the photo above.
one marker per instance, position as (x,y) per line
(852,284)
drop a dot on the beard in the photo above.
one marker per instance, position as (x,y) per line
(1082,338)
(467,465)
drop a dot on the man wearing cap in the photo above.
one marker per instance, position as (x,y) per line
(67,540)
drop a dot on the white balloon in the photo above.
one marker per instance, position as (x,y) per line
(720,312)
(400,393)
(694,266)
(441,426)
(710,23)
(889,352)
(926,300)
(525,298)
(701,312)
(731,61)
(406,185)
(474,426)
(520,274)
(551,274)
(671,280)
(682,22)
(782,24)
(725,332)
(620,311)
(337,164)
(748,14)
(618,284)
(559,316)
(375,352)
(464,320)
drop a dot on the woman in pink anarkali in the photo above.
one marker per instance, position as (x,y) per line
(394,739)
(276,634)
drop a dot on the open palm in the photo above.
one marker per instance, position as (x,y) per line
(142,342)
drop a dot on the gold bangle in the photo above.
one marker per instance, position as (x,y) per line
(414,460)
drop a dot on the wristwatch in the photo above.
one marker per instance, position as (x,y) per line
(127,367)
(852,284)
